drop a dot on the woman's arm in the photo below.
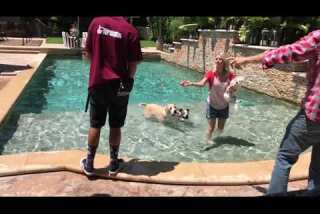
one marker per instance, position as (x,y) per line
(200,83)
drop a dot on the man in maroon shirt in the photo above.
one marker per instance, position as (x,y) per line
(113,48)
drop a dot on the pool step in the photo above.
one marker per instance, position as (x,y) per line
(19,51)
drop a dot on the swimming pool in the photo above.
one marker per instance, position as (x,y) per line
(50,116)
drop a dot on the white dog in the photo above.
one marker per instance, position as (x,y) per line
(161,113)
(229,94)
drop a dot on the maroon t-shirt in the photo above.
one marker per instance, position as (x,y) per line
(112,42)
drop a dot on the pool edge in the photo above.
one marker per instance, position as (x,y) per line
(15,87)
(159,172)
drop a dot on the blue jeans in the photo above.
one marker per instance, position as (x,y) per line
(301,133)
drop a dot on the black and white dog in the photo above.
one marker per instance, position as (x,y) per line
(183,114)
(164,113)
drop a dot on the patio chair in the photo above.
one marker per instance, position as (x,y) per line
(3,36)
(84,39)
(70,41)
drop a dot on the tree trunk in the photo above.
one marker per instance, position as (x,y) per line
(159,42)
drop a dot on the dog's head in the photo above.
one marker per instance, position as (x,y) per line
(234,85)
(229,94)
(183,113)
(236,81)
(171,109)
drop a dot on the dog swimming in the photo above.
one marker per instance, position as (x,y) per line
(164,113)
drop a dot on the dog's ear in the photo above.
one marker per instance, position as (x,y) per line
(180,109)
(188,110)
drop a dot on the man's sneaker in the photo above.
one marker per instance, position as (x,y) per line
(88,170)
(114,166)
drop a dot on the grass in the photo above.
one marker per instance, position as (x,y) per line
(55,40)
(144,43)
(147,43)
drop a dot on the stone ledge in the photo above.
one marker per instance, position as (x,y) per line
(189,40)
(256,47)
(218,33)
(243,173)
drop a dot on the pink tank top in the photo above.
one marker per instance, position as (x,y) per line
(217,89)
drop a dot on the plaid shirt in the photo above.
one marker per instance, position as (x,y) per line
(308,47)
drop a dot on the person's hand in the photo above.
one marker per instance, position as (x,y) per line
(236,62)
(185,83)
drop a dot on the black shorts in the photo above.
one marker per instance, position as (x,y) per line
(213,113)
(104,99)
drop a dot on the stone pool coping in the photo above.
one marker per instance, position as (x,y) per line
(10,93)
(254,172)
(160,172)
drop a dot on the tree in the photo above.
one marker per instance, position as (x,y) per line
(159,26)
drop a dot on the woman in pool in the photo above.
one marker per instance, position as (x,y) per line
(217,106)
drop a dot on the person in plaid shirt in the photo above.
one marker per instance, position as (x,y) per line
(304,129)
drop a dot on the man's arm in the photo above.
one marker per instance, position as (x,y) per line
(135,54)
(132,67)
(237,61)
(300,50)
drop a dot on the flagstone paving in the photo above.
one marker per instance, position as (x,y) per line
(73,184)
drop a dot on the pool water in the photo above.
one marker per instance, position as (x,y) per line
(50,116)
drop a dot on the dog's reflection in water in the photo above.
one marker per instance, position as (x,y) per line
(180,125)
(175,123)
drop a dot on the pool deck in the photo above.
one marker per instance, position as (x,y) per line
(24,64)
(160,172)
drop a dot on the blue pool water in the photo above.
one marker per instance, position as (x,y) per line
(50,116)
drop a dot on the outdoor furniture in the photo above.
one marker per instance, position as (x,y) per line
(3,36)
(265,37)
(84,39)
(274,38)
(70,41)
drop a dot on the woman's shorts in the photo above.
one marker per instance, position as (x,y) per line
(213,113)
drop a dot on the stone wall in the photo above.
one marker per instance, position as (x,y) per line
(199,54)
(286,81)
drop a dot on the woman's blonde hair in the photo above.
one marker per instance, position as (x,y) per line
(226,64)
